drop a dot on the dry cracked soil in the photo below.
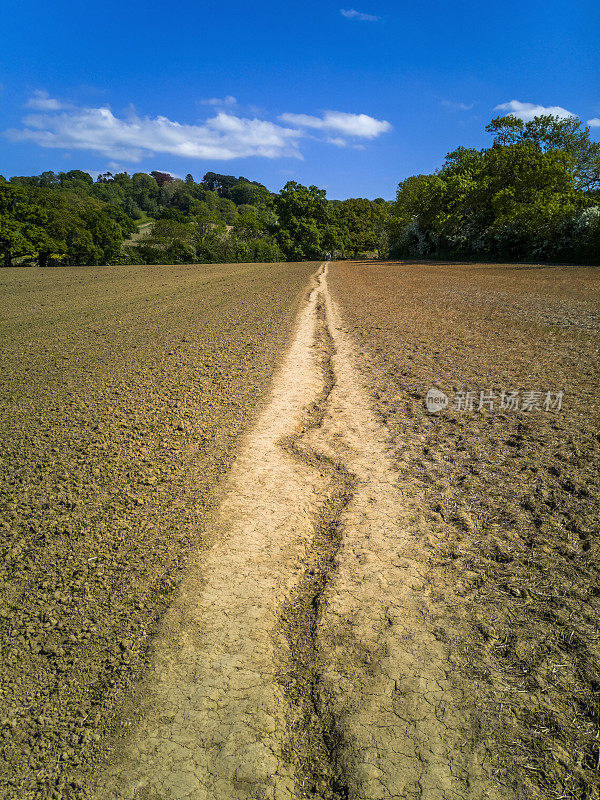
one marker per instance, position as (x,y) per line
(244,561)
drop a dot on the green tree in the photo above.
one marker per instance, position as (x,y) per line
(306,229)
(145,192)
(251,194)
(551,133)
(516,199)
(13,241)
(363,226)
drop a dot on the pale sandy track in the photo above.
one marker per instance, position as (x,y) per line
(230,711)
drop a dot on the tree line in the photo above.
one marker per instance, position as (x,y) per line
(534,194)
(68,218)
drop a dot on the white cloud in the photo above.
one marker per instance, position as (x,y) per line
(41,101)
(352,13)
(229,100)
(223,137)
(339,122)
(457,106)
(594,123)
(527,111)
(337,141)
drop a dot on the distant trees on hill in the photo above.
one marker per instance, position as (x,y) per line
(63,227)
(68,218)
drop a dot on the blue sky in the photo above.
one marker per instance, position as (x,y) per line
(351,96)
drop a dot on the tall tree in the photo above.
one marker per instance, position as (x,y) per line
(548,132)
(305,218)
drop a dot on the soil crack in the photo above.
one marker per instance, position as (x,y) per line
(315,739)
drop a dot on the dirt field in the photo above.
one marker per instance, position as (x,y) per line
(509,498)
(123,394)
(292,664)
(370,602)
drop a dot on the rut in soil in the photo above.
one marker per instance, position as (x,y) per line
(315,740)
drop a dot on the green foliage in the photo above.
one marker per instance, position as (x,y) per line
(69,218)
(58,227)
(523,198)
(550,133)
(306,230)
(251,194)
(363,226)
(171,241)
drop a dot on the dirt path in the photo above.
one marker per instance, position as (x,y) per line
(299,659)
(142,232)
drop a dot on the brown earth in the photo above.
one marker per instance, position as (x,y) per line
(299,659)
(372,601)
(124,391)
(509,545)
